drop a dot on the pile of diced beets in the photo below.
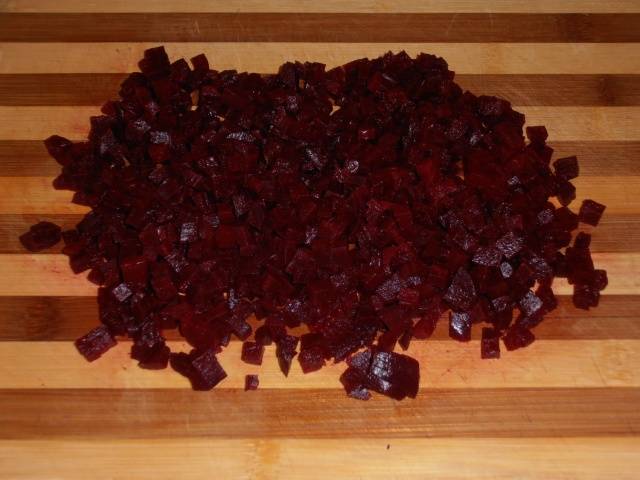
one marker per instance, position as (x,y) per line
(361,203)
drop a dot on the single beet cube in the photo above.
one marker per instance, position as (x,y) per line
(461,293)
(285,351)
(394,375)
(566,192)
(207,371)
(600,280)
(510,244)
(590,212)
(487,256)
(252,353)
(537,135)
(40,236)
(460,326)
(566,168)
(517,336)
(95,343)
(354,382)
(490,343)
(530,304)
(585,296)
(251,382)
(59,148)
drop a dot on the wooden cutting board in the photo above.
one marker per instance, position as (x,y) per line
(567,407)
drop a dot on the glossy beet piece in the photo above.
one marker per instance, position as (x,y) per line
(490,343)
(590,212)
(41,236)
(517,337)
(357,205)
(251,382)
(201,368)
(252,353)
(95,343)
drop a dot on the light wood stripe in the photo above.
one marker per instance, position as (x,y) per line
(319,27)
(489,58)
(474,458)
(615,233)
(67,318)
(563,123)
(326,6)
(56,279)
(36,196)
(445,364)
(115,414)
(29,158)
(549,90)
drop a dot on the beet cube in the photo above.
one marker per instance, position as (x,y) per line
(251,382)
(566,168)
(252,353)
(460,326)
(461,292)
(490,343)
(95,343)
(40,236)
(517,337)
(590,212)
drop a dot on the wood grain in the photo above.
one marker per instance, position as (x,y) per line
(67,318)
(550,90)
(490,58)
(320,27)
(326,6)
(223,414)
(251,458)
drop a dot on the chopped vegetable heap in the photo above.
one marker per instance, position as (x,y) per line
(360,203)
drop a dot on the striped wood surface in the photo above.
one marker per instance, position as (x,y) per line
(568,407)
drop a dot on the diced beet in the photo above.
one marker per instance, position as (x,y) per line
(252,353)
(460,326)
(251,382)
(518,337)
(590,212)
(95,343)
(490,343)
(201,368)
(461,293)
(285,351)
(358,204)
(566,168)
(40,236)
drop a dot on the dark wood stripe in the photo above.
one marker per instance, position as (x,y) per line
(549,90)
(131,413)
(318,27)
(67,318)
(615,233)
(29,158)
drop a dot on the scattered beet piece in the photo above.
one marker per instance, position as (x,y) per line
(40,236)
(490,344)
(590,212)
(360,203)
(251,382)
(95,343)
(252,353)
(517,337)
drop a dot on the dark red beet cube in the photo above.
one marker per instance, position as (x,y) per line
(461,293)
(537,135)
(252,353)
(95,343)
(517,336)
(285,351)
(203,370)
(460,326)
(566,168)
(585,296)
(582,240)
(394,375)
(490,343)
(40,236)
(590,212)
(251,382)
